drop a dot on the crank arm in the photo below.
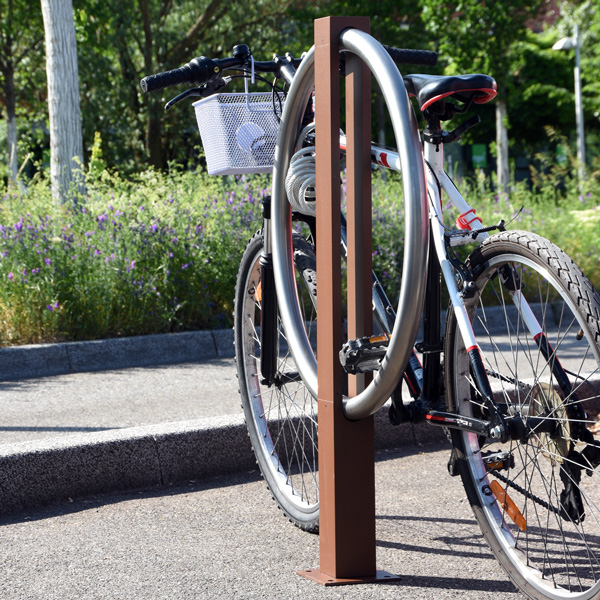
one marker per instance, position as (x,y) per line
(454,421)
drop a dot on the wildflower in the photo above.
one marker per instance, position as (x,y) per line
(48,261)
(11,275)
(185,266)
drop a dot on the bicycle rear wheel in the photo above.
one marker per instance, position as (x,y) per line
(537,499)
(281,417)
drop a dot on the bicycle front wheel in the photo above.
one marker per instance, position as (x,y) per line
(282,415)
(537,499)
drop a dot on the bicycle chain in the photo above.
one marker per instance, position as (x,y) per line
(527,494)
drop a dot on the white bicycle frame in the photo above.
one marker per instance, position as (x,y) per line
(438,181)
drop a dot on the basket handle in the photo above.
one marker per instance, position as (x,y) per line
(252,79)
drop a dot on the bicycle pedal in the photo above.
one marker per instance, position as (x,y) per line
(364,354)
(498,461)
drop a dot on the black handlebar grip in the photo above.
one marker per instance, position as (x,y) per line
(197,71)
(412,57)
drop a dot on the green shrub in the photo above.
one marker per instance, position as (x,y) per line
(161,253)
(157,255)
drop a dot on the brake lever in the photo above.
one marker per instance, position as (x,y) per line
(204,91)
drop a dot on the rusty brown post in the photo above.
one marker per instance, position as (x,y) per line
(346,448)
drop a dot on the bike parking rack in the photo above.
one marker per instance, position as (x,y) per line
(347,541)
(346,435)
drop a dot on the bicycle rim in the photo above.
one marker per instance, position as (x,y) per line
(536,505)
(281,418)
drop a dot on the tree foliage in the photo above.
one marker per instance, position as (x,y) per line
(121,41)
(142,37)
(21,43)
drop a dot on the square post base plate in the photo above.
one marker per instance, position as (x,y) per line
(327,580)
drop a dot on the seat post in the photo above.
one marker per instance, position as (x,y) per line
(433,132)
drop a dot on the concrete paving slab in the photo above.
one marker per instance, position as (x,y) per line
(42,360)
(40,472)
(38,408)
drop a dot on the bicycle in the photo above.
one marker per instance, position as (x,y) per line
(521,346)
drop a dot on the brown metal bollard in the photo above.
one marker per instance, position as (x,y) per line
(346,448)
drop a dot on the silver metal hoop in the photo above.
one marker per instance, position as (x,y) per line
(416,232)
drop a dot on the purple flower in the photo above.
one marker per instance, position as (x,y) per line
(50,307)
(185,266)
(48,261)
(11,275)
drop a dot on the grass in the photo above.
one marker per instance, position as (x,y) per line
(161,253)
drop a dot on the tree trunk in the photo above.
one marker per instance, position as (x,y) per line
(11,123)
(66,143)
(502,169)
(155,111)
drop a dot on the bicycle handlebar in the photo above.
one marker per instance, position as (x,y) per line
(199,70)
(405,56)
(202,70)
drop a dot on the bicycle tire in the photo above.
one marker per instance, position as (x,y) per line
(282,418)
(558,553)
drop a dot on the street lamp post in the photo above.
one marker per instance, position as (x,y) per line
(569,43)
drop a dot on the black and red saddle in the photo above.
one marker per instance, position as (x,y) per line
(428,89)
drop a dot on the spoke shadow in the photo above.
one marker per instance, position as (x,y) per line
(455,583)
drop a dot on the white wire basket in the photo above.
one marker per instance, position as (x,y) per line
(239,132)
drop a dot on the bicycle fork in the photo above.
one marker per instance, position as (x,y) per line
(499,426)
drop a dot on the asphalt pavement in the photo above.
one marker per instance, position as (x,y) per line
(223,537)
(124,478)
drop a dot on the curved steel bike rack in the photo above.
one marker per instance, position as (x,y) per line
(416,240)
